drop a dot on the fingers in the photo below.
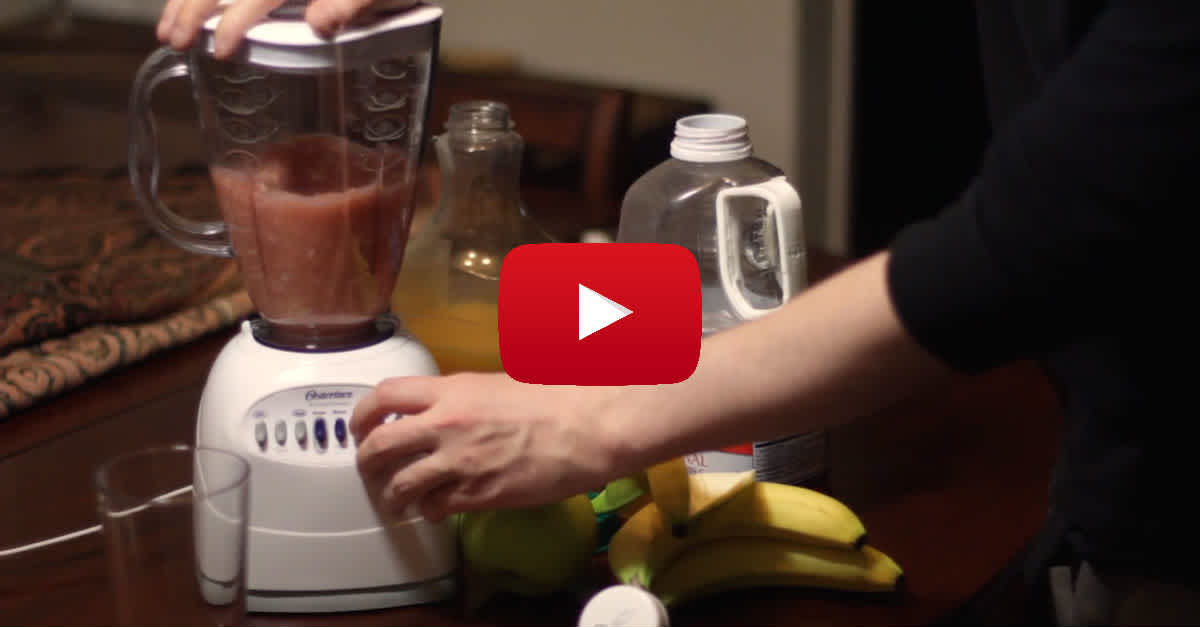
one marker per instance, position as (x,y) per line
(326,17)
(395,444)
(182,20)
(238,19)
(166,23)
(187,21)
(441,501)
(425,476)
(398,395)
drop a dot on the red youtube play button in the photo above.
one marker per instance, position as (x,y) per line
(599,314)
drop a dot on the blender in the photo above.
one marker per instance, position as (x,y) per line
(313,146)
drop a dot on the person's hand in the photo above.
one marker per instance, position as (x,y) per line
(181,20)
(481,441)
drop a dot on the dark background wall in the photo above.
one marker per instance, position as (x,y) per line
(920,115)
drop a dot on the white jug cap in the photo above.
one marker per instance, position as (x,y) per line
(595,236)
(711,137)
(285,41)
(624,605)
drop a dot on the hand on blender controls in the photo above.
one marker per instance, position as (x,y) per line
(483,441)
(181,20)
(472,441)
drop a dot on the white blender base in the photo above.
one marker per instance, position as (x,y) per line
(418,594)
(320,602)
(315,542)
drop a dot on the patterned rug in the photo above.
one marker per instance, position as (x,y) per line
(86,285)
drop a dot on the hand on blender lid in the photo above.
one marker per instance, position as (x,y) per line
(181,20)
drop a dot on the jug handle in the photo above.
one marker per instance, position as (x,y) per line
(207,237)
(783,209)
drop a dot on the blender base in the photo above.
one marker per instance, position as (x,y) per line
(351,600)
(315,542)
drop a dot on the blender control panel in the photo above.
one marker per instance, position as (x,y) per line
(306,423)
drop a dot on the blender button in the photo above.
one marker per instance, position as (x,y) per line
(281,432)
(319,431)
(260,435)
(339,431)
(301,432)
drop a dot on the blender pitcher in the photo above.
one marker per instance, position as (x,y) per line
(313,146)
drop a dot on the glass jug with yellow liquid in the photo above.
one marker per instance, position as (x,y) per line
(450,279)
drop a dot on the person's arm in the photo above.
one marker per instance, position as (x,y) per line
(834,353)
(1056,237)
(474,441)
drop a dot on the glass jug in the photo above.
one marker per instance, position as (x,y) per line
(313,146)
(450,283)
(738,214)
(740,217)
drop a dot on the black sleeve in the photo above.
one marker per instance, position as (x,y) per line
(1075,202)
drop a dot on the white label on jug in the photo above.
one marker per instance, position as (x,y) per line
(792,460)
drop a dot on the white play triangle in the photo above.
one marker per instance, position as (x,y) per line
(597,312)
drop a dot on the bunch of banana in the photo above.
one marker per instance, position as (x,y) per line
(739,563)
(736,532)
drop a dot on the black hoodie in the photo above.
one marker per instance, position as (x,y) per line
(1066,249)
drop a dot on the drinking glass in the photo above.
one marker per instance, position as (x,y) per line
(174,519)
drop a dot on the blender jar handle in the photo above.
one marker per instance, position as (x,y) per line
(207,237)
(783,213)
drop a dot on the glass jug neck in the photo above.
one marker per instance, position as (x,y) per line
(479,116)
(479,156)
(711,138)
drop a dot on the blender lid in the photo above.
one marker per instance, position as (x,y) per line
(284,41)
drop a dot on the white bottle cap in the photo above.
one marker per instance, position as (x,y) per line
(624,605)
(711,138)
(595,236)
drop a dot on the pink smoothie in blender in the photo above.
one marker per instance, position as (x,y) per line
(318,227)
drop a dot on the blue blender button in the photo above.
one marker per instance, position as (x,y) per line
(319,432)
(339,431)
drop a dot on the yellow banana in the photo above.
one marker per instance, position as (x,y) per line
(706,492)
(710,490)
(669,486)
(739,563)
(627,511)
(683,498)
(644,545)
